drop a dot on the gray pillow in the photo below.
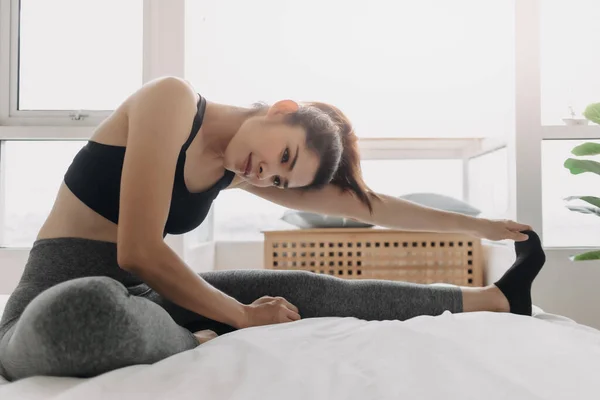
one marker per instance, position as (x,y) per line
(441,202)
(307,220)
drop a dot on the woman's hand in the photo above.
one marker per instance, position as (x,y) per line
(270,310)
(500,230)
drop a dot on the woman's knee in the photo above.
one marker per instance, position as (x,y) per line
(66,327)
(307,289)
(77,299)
(307,279)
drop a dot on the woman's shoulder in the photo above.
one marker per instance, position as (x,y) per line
(151,103)
(163,90)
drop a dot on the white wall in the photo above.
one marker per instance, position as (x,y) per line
(569,288)
(11,268)
(239,255)
(201,257)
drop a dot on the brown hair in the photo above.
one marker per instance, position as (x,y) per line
(331,136)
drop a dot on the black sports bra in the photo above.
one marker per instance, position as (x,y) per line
(94,177)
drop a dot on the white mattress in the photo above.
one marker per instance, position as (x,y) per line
(452,356)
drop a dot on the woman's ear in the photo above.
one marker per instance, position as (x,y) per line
(283,107)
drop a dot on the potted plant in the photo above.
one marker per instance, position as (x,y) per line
(574,120)
(579,166)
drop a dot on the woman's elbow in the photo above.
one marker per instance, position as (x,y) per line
(132,257)
(127,261)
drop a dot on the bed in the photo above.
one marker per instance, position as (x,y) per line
(451,356)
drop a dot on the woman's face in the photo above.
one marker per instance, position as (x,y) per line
(267,152)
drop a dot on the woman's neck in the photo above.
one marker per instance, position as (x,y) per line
(221,123)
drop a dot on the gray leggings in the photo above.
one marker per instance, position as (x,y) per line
(76,313)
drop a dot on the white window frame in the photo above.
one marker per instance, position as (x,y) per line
(16,117)
(525,146)
(5,39)
(163,54)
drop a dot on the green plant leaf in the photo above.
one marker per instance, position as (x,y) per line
(592,112)
(595,201)
(580,166)
(590,255)
(585,209)
(587,149)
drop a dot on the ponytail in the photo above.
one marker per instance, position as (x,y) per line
(348,175)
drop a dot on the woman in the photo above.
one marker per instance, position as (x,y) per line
(101,289)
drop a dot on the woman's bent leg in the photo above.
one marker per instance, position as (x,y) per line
(87,326)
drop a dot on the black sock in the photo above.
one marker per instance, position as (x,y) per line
(516,282)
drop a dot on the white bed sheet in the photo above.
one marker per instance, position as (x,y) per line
(452,356)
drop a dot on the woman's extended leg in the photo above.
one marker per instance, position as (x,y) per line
(326,296)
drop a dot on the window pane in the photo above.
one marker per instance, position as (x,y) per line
(488,183)
(199,235)
(432,68)
(77,54)
(236,222)
(563,227)
(570,39)
(33,172)
(399,177)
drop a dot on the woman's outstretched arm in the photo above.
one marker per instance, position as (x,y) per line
(389,212)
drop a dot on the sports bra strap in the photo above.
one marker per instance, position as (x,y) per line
(197,122)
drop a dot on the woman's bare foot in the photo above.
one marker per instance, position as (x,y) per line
(498,298)
(205,336)
(488,298)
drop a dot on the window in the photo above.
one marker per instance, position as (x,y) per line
(562,227)
(235,222)
(398,177)
(201,234)
(392,177)
(32,174)
(570,39)
(79,55)
(397,69)
(488,183)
